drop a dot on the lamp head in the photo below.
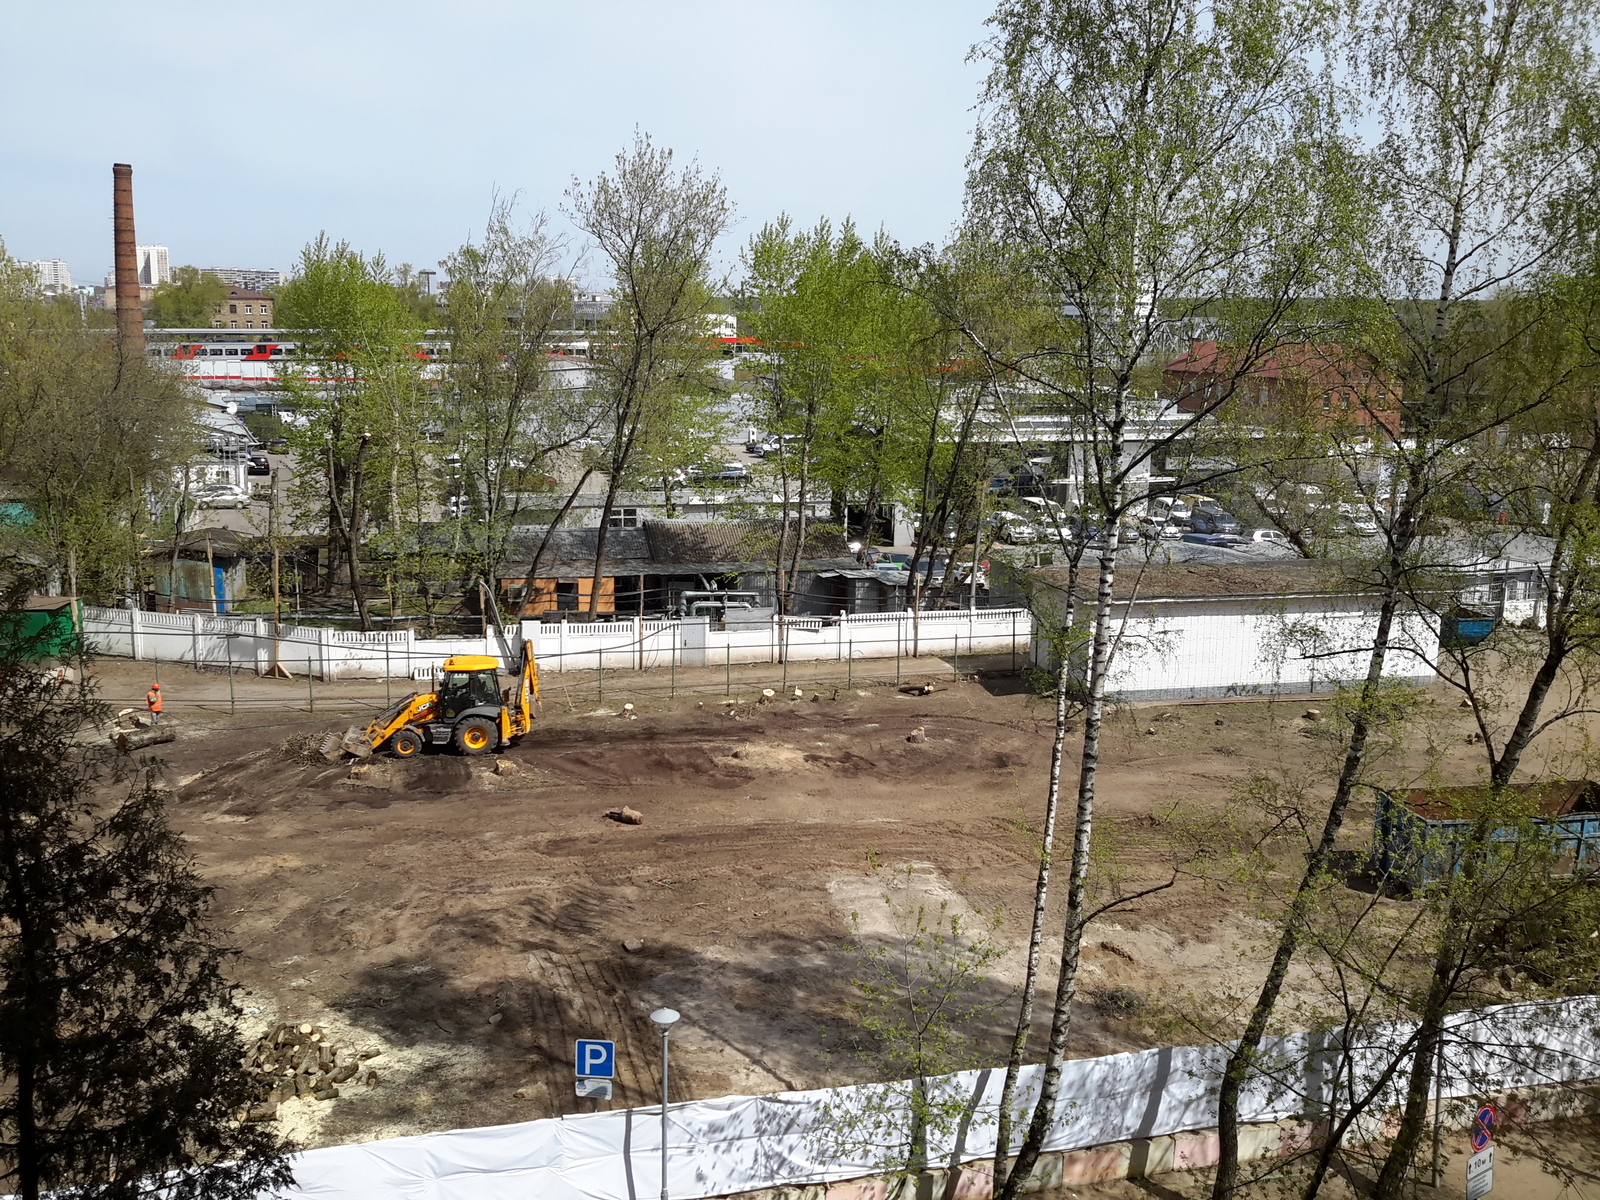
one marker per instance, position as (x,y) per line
(664,1017)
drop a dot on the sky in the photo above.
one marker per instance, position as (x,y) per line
(392,125)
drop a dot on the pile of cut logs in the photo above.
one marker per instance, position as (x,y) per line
(300,1060)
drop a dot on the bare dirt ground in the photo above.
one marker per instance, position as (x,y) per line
(470,925)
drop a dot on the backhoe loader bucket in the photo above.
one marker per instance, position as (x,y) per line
(336,745)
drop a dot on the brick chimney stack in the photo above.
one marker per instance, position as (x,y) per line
(130,317)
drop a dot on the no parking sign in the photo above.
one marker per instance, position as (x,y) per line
(1480,1167)
(1483,1128)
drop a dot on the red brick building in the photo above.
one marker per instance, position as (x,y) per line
(1326,382)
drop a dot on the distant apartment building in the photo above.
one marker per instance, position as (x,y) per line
(243,309)
(106,297)
(53,277)
(254,279)
(155,266)
(589,309)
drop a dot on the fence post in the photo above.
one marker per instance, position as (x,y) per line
(955,641)
(133,632)
(232,705)
(387,698)
(638,638)
(311,689)
(727,689)
(850,664)
(194,640)
(898,625)
(600,672)
(672,688)
(1013,641)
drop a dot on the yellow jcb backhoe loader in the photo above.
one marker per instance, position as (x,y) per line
(469,712)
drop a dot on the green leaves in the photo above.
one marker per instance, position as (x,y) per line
(118,1031)
(90,443)
(189,300)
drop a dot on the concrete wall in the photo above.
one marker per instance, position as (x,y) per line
(1194,649)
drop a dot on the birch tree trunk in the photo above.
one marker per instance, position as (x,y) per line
(1078,876)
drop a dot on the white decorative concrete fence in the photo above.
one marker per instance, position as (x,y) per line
(246,643)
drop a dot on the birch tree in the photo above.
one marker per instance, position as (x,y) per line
(1141,165)
(1478,173)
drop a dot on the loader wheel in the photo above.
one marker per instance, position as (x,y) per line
(476,736)
(406,744)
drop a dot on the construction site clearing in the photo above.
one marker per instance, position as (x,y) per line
(449,925)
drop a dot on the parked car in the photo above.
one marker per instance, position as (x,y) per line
(1355,519)
(259,465)
(1175,511)
(1153,528)
(1211,539)
(1210,521)
(769,443)
(1268,535)
(713,473)
(1014,528)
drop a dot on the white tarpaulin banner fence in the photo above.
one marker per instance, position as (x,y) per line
(742,1143)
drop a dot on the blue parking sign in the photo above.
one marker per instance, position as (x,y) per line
(596,1059)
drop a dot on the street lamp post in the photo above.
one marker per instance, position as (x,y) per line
(664,1017)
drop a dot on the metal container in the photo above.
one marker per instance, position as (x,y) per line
(1417,833)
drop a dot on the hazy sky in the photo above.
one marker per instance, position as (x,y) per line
(252,127)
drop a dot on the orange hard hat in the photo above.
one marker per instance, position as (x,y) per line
(155,687)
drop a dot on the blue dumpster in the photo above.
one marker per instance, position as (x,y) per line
(1465,627)
(1417,833)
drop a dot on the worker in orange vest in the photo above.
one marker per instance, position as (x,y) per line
(152,701)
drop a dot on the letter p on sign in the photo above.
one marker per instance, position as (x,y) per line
(596,1059)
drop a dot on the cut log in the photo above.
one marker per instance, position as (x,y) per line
(137,739)
(344,1074)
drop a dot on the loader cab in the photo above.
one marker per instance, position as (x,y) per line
(470,681)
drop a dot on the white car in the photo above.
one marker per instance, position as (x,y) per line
(1015,529)
(1159,527)
(1268,535)
(1161,509)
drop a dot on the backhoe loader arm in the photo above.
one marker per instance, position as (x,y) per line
(520,709)
(415,707)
